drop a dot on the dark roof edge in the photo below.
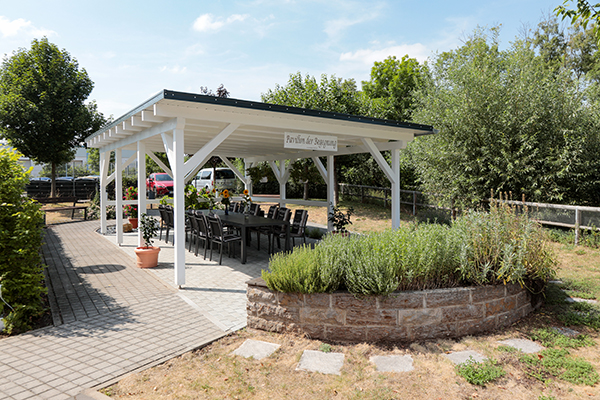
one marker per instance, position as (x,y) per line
(257,105)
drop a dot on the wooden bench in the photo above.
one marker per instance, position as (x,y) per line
(56,200)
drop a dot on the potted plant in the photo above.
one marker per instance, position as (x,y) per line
(340,220)
(131,211)
(246,201)
(147,255)
(225,200)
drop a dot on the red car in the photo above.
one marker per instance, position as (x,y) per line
(160,183)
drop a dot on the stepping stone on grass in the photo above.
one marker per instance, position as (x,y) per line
(317,361)
(256,349)
(578,300)
(459,357)
(526,346)
(566,331)
(393,363)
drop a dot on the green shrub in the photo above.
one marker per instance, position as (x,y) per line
(20,240)
(499,247)
(560,364)
(480,373)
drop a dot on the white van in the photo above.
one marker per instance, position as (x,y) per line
(224,179)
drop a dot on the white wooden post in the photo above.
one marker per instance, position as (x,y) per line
(178,205)
(248,183)
(577,223)
(282,182)
(119,195)
(104,158)
(396,188)
(330,191)
(141,162)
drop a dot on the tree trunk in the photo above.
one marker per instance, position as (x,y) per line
(53,182)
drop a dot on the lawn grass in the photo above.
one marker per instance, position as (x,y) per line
(213,373)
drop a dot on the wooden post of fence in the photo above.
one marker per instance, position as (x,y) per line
(362,194)
(385,197)
(414,203)
(453,210)
(577,223)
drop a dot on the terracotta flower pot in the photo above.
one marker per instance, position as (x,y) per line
(133,222)
(147,257)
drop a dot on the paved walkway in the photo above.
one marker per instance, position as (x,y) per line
(112,318)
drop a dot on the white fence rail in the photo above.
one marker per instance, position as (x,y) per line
(560,215)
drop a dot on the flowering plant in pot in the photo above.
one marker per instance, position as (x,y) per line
(246,201)
(147,255)
(225,200)
(131,211)
(340,220)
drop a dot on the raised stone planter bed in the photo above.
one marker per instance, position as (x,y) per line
(402,316)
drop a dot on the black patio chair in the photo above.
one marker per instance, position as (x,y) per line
(297,228)
(283,214)
(265,230)
(169,222)
(217,235)
(203,231)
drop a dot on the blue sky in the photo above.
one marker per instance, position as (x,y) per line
(134,49)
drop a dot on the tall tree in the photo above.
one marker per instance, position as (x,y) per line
(392,85)
(329,94)
(507,123)
(42,109)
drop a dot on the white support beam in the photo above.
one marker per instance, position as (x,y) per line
(381,146)
(103,197)
(147,133)
(168,144)
(381,161)
(128,126)
(119,195)
(158,162)
(330,191)
(149,116)
(248,181)
(396,189)
(178,205)
(137,121)
(320,167)
(198,159)
(234,169)
(141,157)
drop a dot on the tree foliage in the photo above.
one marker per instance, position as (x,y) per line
(42,109)
(390,91)
(583,14)
(507,122)
(20,241)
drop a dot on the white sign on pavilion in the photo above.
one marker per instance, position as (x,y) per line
(310,142)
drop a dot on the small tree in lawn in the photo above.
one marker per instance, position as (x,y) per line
(42,110)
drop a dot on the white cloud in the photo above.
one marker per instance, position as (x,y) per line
(174,70)
(369,56)
(208,22)
(19,26)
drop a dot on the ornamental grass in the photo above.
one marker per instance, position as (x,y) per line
(479,248)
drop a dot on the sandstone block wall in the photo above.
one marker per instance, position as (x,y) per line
(402,316)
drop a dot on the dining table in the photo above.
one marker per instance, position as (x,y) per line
(244,222)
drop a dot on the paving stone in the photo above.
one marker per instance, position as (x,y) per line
(256,349)
(317,361)
(459,357)
(526,346)
(393,363)
(566,331)
(579,300)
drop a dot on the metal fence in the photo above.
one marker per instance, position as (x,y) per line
(81,188)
